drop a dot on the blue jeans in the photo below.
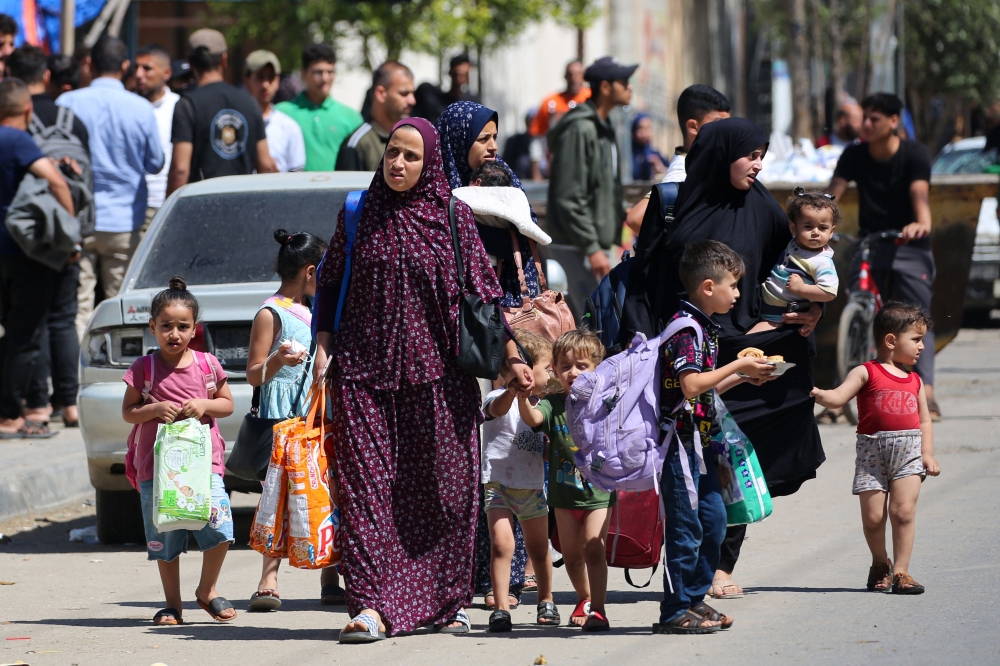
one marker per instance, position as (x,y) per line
(692,538)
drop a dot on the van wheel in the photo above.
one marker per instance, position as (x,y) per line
(119,517)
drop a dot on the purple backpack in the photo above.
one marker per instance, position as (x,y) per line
(613,414)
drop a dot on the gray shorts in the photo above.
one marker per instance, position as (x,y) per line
(885,457)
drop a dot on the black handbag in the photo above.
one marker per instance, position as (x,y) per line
(480,324)
(251,453)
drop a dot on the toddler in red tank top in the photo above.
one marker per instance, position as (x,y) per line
(895,448)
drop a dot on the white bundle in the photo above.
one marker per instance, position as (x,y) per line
(502,207)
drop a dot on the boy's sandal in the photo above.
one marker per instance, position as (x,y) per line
(168,617)
(722,586)
(500,622)
(903,583)
(332,595)
(371,635)
(464,627)
(582,610)
(215,608)
(263,601)
(712,615)
(530,584)
(36,430)
(688,622)
(489,600)
(597,621)
(548,613)
(879,577)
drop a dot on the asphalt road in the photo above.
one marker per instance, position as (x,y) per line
(804,569)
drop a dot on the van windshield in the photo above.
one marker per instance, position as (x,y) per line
(229,238)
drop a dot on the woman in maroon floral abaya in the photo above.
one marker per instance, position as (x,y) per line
(405,416)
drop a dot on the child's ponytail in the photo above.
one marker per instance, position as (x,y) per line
(176,292)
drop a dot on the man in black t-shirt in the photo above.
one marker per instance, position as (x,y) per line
(218,129)
(893,178)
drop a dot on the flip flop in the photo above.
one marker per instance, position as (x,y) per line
(596,622)
(464,628)
(215,608)
(263,601)
(582,610)
(723,585)
(372,634)
(159,620)
(36,430)
(332,595)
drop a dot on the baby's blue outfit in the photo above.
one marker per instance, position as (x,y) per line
(284,393)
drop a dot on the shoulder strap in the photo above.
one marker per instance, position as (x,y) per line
(668,197)
(147,376)
(207,369)
(455,244)
(64,120)
(353,208)
(36,126)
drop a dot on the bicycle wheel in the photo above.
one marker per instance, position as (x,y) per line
(855,343)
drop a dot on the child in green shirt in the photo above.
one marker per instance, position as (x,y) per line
(582,511)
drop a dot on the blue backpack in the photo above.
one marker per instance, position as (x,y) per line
(353,207)
(603,310)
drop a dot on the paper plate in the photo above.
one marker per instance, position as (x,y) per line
(779,369)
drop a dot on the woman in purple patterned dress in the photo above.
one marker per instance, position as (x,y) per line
(404,415)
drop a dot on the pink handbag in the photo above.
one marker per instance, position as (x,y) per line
(547,314)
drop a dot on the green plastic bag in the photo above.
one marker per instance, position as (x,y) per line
(182,476)
(744,490)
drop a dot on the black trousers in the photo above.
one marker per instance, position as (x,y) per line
(731,547)
(60,347)
(26,291)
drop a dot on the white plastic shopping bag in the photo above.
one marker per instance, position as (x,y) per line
(182,476)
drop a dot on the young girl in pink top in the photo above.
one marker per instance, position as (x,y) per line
(895,449)
(173,384)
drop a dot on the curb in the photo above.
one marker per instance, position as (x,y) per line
(42,474)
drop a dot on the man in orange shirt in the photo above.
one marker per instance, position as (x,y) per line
(556,105)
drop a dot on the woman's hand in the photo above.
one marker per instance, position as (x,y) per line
(808,319)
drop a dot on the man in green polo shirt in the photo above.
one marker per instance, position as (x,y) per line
(325,122)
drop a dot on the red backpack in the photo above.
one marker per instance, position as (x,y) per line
(635,536)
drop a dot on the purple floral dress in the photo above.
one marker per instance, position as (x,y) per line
(406,418)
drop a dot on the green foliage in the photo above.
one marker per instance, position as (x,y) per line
(579,14)
(953,48)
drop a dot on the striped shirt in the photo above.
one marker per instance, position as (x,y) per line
(813,266)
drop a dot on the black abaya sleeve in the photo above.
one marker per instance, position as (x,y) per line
(643,285)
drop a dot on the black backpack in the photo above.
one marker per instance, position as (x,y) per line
(603,310)
(58,141)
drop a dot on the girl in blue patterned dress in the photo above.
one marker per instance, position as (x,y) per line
(281,366)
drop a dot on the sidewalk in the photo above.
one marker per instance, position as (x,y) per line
(38,474)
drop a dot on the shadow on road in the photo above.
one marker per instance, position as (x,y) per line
(824,590)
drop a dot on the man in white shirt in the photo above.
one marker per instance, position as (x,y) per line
(261,78)
(152,73)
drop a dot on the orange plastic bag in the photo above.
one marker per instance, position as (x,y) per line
(312,515)
(269,532)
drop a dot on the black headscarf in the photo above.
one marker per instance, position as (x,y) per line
(751,222)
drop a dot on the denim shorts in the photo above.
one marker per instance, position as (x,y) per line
(525,504)
(166,546)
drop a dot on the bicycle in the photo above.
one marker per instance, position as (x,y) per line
(855,340)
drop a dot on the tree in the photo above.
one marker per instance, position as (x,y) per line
(579,14)
(798,53)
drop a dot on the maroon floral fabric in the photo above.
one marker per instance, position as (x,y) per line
(405,416)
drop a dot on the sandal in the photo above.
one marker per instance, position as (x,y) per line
(332,595)
(464,628)
(880,577)
(489,600)
(530,584)
(687,622)
(370,636)
(903,583)
(712,615)
(596,622)
(168,617)
(36,430)
(263,601)
(582,610)
(548,614)
(500,622)
(934,410)
(722,586)
(215,608)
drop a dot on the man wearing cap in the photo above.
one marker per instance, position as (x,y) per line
(152,71)
(585,190)
(218,129)
(124,147)
(392,100)
(181,76)
(325,122)
(261,78)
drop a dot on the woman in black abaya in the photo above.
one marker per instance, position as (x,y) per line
(722,200)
